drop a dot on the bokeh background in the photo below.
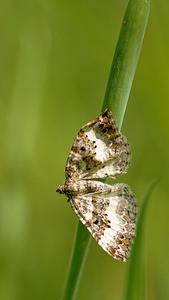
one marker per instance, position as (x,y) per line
(55,58)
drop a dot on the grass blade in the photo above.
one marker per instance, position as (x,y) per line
(117,92)
(135,288)
(79,253)
(126,58)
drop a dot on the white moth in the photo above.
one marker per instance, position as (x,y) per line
(108,211)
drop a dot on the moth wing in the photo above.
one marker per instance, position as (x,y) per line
(99,150)
(110,217)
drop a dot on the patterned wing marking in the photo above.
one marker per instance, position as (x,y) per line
(110,217)
(99,150)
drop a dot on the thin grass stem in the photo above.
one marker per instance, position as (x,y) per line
(116,96)
(135,284)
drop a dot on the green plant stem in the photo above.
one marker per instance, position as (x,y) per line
(78,258)
(116,97)
(135,287)
(126,58)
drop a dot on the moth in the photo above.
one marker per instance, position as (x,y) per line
(109,212)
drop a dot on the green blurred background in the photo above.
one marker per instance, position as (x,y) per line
(55,58)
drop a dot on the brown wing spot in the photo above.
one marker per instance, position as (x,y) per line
(118,241)
(112,250)
(105,113)
(127,236)
(75,149)
(105,120)
(124,248)
(101,125)
(126,242)
(119,257)
(127,219)
(82,148)
(95,222)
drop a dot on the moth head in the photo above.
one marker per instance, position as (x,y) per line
(60,189)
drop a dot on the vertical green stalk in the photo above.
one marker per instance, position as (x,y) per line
(135,285)
(125,58)
(117,92)
(79,254)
